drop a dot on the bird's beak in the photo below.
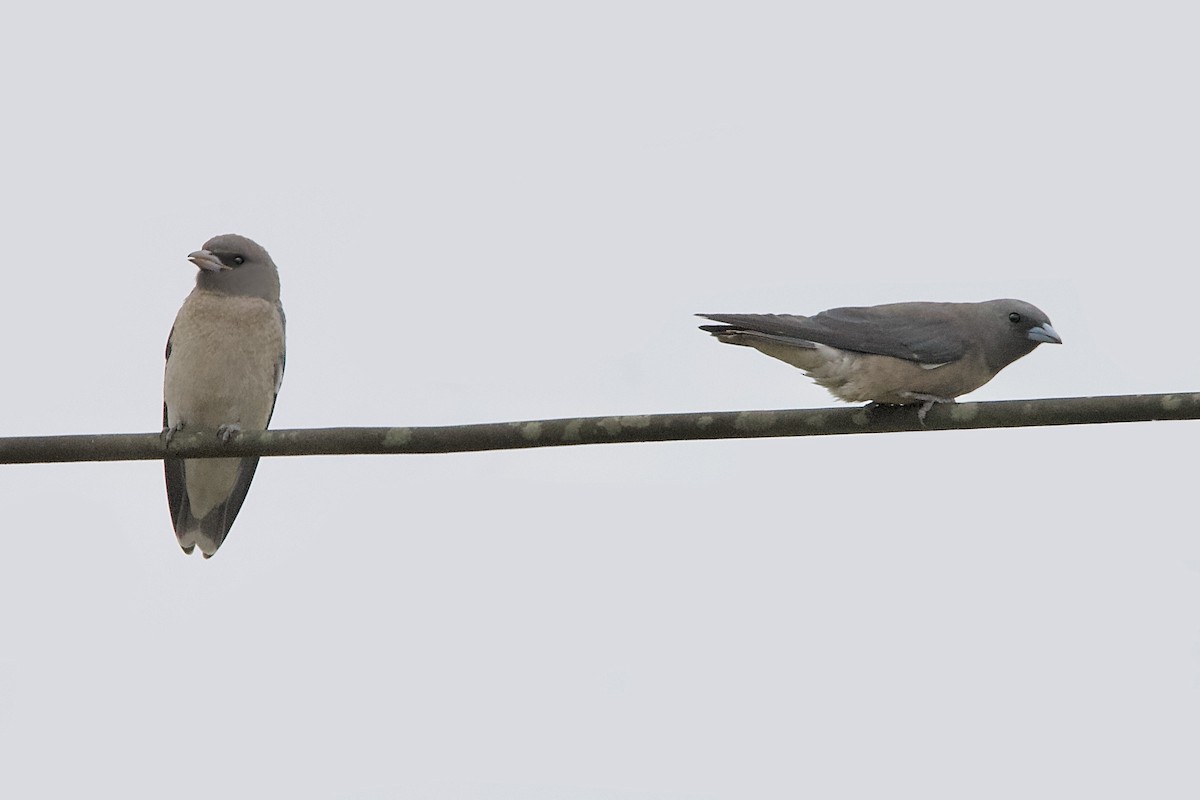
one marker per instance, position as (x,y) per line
(1044,333)
(207,261)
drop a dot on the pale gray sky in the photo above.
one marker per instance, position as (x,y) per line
(511,211)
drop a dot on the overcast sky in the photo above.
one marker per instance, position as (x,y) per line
(498,211)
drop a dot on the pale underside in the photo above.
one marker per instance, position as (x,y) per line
(862,377)
(225,364)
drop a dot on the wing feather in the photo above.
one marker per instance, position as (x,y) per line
(919,332)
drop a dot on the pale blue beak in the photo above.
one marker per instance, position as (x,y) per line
(1044,333)
(207,261)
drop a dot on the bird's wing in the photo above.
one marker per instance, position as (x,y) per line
(923,335)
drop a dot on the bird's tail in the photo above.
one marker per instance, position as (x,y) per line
(209,531)
(733,334)
(196,534)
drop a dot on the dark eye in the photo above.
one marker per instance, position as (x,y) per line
(239,261)
(1013,317)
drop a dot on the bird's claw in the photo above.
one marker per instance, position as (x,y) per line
(873,407)
(224,432)
(928,401)
(228,431)
(169,433)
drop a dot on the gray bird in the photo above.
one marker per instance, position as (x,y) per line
(899,353)
(225,358)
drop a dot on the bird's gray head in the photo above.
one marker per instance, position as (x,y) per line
(1015,328)
(232,264)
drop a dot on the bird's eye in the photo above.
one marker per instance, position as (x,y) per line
(1013,317)
(239,261)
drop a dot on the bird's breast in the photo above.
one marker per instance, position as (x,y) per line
(860,377)
(225,352)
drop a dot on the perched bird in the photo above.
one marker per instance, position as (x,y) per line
(899,353)
(225,358)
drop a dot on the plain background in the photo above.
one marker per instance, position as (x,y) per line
(487,211)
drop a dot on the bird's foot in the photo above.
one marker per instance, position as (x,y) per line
(928,401)
(169,433)
(874,409)
(887,413)
(228,431)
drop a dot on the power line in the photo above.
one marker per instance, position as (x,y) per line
(603,430)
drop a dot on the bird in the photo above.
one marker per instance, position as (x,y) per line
(896,353)
(224,364)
